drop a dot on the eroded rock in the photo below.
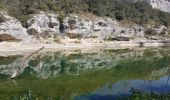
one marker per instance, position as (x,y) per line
(44,26)
(13,27)
(76,24)
(7,37)
(32,31)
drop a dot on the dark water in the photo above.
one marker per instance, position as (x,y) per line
(124,88)
(100,75)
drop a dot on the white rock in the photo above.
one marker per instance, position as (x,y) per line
(81,26)
(41,22)
(13,27)
(163,5)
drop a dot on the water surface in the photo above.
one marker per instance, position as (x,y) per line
(105,74)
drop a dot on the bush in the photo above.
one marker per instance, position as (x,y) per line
(150,32)
(72,23)
(136,11)
(2,19)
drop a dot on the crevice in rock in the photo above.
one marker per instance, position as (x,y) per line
(61,27)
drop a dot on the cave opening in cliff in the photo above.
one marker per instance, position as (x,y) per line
(61,25)
(62,28)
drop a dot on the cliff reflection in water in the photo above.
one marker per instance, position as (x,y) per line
(102,73)
(50,64)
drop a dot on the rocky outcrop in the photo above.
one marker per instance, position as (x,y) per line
(43,26)
(163,5)
(14,28)
(44,22)
(76,25)
(46,28)
(102,28)
(88,27)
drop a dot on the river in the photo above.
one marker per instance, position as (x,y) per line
(95,75)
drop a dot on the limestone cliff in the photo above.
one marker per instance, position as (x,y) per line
(163,5)
(47,28)
(14,28)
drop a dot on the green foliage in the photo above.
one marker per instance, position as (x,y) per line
(150,32)
(139,95)
(2,19)
(29,95)
(139,12)
(135,11)
(8,60)
(25,95)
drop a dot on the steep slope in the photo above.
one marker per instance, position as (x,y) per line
(163,5)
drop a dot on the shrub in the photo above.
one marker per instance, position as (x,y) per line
(150,32)
(2,19)
(136,11)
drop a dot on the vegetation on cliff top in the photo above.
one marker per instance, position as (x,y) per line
(139,12)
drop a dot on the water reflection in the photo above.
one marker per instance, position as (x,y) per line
(124,88)
(101,74)
(44,65)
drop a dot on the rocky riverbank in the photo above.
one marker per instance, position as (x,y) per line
(75,31)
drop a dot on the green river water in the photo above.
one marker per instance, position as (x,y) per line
(101,75)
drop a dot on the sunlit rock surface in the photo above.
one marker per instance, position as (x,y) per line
(48,28)
(163,5)
(13,27)
(44,27)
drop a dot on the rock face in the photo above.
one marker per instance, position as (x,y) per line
(43,26)
(44,22)
(46,28)
(87,27)
(163,5)
(103,28)
(14,28)
(75,25)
